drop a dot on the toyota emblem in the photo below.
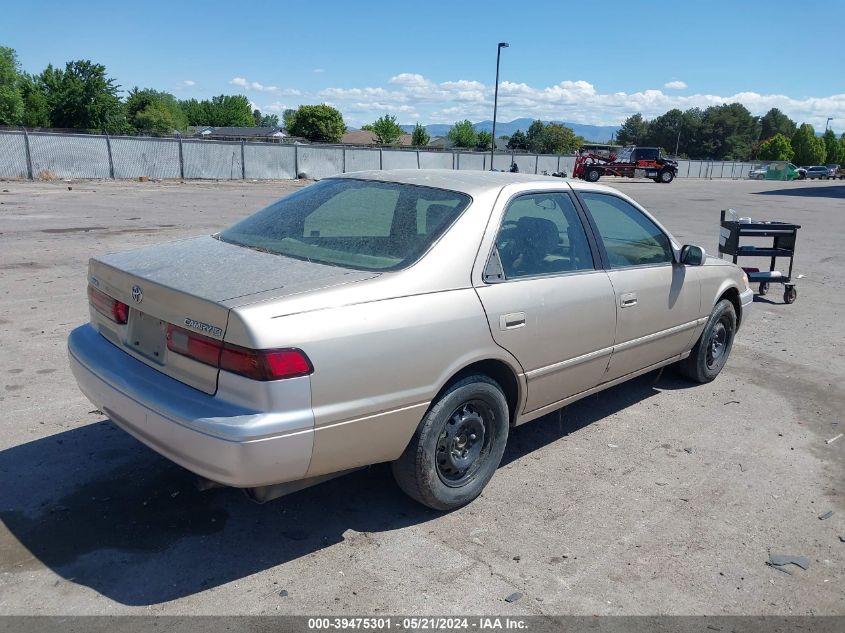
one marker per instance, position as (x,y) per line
(137,294)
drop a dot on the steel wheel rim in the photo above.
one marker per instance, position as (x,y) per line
(464,443)
(665,176)
(717,343)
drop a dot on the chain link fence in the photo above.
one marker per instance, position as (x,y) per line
(47,156)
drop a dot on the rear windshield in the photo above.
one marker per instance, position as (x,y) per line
(361,224)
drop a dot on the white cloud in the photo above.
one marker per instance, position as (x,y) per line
(189,82)
(259,87)
(675,84)
(412,96)
(319,70)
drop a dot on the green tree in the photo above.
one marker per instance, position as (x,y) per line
(809,149)
(288,119)
(484,141)
(634,131)
(664,130)
(420,137)
(728,132)
(831,146)
(196,112)
(36,112)
(559,139)
(82,96)
(534,137)
(518,141)
(463,134)
(777,147)
(11,101)
(156,119)
(776,122)
(220,111)
(842,150)
(386,130)
(265,120)
(321,123)
(231,111)
(154,112)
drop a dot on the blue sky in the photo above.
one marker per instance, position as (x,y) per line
(434,61)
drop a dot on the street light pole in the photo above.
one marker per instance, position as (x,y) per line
(496,100)
(826,123)
(678,141)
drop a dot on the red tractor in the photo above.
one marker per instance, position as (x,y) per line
(631,162)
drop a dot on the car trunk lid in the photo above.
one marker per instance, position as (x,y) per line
(186,283)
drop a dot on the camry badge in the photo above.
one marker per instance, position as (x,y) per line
(137,294)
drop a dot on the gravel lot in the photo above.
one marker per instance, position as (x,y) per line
(655,497)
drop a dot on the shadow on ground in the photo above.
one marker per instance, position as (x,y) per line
(822,191)
(102,510)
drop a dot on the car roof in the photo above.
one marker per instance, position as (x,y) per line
(470,182)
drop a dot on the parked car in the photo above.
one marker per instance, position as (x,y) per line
(802,172)
(758,173)
(777,170)
(410,317)
(840,173)
(832,171)
(817,171)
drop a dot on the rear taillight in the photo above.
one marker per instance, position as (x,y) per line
(108,306)
(262,364)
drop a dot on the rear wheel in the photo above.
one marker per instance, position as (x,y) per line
(666,176)
(711,352)
(458,445)
(592,174)
(764,288)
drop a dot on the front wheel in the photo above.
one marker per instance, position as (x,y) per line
(711,352)
(457,446)
(666,176)
(592,175)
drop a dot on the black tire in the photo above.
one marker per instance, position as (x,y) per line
(764,288)
(592,174)
(458,445)
(711,352)
(790,294)
(666,176)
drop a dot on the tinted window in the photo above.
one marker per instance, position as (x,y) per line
(355,223)
(542,234)
(629,237)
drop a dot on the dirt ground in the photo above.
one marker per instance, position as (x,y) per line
(655,497)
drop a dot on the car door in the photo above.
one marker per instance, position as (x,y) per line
(547,301)
(657,300)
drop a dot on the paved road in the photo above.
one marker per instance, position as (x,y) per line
(653,497)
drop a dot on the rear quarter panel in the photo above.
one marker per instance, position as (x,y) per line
(379,364)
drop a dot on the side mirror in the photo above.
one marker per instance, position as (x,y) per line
(692,255)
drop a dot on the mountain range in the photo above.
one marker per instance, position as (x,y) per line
(594,133)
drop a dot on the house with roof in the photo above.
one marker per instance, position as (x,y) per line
(272,134)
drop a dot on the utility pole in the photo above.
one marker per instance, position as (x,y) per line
(496,100)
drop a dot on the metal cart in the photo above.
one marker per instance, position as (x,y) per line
(783,236)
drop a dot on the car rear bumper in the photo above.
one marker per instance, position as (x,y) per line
(222,441)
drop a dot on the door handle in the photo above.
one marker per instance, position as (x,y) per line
(628,299)
(512,320)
